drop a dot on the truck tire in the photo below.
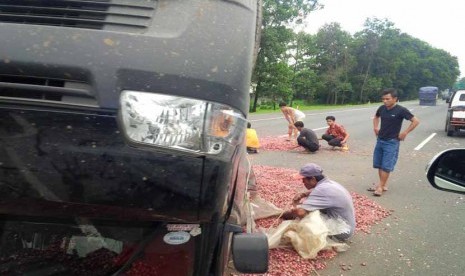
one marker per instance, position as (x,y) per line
(450,130)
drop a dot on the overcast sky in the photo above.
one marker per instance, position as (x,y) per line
(441,24)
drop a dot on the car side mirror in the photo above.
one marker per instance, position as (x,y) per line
(446,171)
(250,252)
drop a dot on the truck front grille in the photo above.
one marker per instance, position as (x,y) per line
(35,89)
(114,15)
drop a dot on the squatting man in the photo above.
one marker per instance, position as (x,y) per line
(323,194)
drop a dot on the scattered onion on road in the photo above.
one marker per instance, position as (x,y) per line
(278,186)
(278,143)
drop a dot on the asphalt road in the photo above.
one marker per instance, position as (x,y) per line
(425,235)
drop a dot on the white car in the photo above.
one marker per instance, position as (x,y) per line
(455,120)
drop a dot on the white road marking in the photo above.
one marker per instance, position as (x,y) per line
(315,129)
(425,141)
(267,119)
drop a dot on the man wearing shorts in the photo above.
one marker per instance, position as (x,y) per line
(292,115)
(391,116)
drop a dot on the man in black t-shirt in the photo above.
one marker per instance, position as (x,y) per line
(307,138)
(391,116)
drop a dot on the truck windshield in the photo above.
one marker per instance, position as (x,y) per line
(78,163)
(76,200)
(82,247)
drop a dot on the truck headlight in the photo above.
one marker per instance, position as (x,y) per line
(180,123)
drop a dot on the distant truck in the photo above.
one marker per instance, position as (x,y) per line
(428,95)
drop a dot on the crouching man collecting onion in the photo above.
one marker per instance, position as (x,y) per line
(326,195)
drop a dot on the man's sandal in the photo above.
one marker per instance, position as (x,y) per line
(373,189)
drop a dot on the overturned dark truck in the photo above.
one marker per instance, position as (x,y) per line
(122,137)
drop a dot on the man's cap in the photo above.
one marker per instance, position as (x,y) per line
(311,169)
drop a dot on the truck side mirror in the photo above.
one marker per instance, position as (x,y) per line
(446,171)
(250,252)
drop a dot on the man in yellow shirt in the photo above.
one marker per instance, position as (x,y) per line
(251,139)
